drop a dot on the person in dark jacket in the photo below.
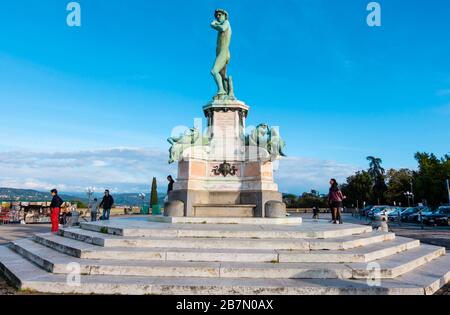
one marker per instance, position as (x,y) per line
(107,203)
(316,212)
(55,208)
(335,198)
(171,182)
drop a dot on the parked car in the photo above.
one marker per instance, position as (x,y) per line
(440,217)
(421,211)
(378,209)
(393,216)
(407,212)
(366,210)
(378,215)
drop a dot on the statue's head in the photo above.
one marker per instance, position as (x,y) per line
(221,15)
(262,127)
(262,130)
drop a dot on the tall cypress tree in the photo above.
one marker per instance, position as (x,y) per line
(154,193)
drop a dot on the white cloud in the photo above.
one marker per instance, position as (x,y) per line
(298,174)
(131,170)
(124,169)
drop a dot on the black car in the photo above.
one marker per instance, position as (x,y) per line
(440,217)
(366,210)
(408,212)
(415,217)
(394,215)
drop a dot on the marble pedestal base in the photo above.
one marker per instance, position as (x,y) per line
(227,177)
(225,203)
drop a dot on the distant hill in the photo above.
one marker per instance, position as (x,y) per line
(122,199)
(9,194)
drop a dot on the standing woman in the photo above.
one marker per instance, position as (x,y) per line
(55,208)
(335,198)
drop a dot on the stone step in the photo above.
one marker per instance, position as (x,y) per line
(26,276)
(318,230)
(388,268)
(56,262)
(204,243)
(79,249)
(347,242)
(224,220)
(88,251)
(361,254)
(107,240)
(398,264)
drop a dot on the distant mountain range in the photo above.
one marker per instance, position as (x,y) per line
(122,199)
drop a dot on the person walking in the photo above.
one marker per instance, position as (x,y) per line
(55,208)
(335,198)
(107,203)
(93,208)
(65,217)
(315,213)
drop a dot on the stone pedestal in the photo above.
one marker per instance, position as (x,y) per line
(174,209)
(225,178)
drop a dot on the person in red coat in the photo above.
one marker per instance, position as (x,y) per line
(55,207)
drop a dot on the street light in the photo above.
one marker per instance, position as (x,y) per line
(409,195)
(89,193)
(142,197)
(448,190)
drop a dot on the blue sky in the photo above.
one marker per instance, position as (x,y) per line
(338,89)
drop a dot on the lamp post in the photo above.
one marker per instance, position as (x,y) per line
(412,191)
(90,192)
(409,195)
(448,190)
(142,197)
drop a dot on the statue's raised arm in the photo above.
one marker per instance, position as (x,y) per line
(224,84)
(221,27)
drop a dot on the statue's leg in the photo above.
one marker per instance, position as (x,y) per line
(223,74)
(217,74)
(230,87)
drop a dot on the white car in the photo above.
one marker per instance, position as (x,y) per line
(378,216)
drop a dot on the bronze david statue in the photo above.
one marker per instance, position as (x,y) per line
(224,84)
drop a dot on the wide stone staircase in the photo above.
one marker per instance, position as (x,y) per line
(139,257)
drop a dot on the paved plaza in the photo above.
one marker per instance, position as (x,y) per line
(433,235)
(11,232)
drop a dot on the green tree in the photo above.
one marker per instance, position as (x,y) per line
(358,189)
(375,168)
(429,179)
(290,200)
(398,183)
(80,204)
(377,172)
(154,193)
(312,199)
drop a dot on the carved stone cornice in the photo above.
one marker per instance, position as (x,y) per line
(226,106)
